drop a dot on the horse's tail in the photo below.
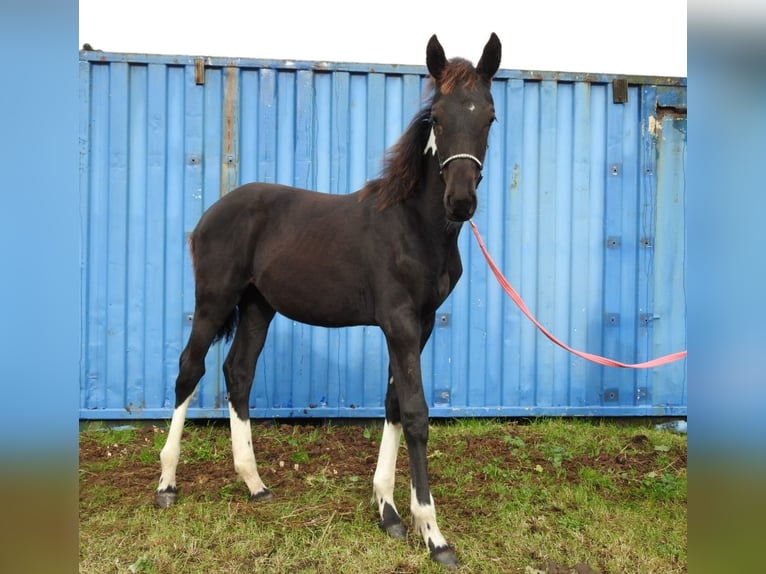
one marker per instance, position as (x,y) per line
(229,326)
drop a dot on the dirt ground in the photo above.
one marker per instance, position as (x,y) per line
(338,450)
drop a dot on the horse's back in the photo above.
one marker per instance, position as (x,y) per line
(306,252)
(271,212)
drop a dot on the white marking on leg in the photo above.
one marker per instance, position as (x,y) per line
(172,450)
(424,520)
(242,450)
(385,471)
(431,145)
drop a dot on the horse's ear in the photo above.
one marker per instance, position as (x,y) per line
(490,58)
(435,58)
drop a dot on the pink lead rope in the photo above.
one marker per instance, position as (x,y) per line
(588,356)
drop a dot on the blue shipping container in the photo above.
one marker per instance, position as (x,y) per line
(582,207)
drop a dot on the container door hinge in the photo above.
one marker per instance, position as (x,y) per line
(199,71)
(620,91)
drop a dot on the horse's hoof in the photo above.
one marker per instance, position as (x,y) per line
(166,498)
(397,530)
(263,496)
(446,557)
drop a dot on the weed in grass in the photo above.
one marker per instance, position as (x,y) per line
(492,471)
(516,443)
(300,457)
(596,480)
(142,566)
(207,443)
(556,454)
(231,492)
(662,487)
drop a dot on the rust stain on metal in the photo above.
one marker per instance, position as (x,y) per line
(228,113)
(515,180)
(670,111)
(654,126)
(230,122)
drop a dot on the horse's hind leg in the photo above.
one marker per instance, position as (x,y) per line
(239,370)
(208,319)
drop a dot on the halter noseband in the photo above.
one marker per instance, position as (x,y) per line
(443,164)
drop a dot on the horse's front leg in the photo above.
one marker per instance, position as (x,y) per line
(415,426)
(385,471)
(405,340)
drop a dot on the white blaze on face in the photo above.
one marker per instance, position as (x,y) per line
(471,107)
(431,145)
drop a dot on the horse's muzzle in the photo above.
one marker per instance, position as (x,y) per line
(461,179)
(462,208)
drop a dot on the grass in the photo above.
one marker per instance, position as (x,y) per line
(510,497)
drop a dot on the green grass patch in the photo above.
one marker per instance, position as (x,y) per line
(510,497)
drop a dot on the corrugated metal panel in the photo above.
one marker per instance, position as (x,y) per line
(581,206)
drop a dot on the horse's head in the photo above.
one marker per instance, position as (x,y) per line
(462,112)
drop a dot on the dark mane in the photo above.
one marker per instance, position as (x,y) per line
(404,163)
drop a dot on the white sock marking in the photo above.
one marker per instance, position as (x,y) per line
(424,518)
(172,450)
(242,450)
(385,471)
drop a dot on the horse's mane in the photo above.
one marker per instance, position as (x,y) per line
(404,164)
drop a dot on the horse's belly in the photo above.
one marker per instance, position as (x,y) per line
(318,301)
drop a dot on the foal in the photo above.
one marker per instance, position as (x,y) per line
(385,255)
